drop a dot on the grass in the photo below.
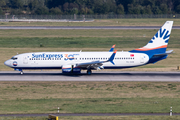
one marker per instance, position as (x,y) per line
(98,22)
(79,97)
(23,118)
(122,118)
(77,33)
(91,105)
(97,118)
(81,38)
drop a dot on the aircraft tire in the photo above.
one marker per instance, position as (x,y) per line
(89,72)
(21,73)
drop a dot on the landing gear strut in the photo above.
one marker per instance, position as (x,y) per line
(89,72)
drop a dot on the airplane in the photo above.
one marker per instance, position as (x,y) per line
(74,62)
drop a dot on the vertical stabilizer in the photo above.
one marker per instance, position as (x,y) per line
(159,42)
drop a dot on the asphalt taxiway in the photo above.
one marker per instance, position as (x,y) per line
(95,76)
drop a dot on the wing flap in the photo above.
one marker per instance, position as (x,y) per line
(89,63)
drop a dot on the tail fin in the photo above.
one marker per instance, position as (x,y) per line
(159,42)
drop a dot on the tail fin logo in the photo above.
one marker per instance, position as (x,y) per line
(160,39)
(161,35)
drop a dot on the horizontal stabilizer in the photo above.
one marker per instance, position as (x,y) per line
(166,53)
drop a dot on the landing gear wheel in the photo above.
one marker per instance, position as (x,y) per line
(21,72)
(89,72)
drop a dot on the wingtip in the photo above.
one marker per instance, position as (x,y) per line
(115,51)
(114,46)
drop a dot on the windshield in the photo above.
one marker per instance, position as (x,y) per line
(14,58)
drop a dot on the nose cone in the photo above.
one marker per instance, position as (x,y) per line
(7,63)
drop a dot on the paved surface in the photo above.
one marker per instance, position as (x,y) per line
(96,76)
(84,27)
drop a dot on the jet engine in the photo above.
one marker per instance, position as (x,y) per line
(70,69)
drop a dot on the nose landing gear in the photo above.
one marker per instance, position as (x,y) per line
(21,72)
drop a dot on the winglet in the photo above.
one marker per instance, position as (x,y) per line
(112,57)
(112,48)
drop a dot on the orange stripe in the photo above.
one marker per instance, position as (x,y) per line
(145,49)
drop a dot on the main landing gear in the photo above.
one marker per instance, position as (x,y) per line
(89,72)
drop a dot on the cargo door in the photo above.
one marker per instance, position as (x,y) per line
(142,59)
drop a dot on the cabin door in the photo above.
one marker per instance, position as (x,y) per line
(25,60)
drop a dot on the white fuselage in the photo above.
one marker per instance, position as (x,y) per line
(55,60)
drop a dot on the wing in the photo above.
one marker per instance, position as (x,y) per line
(96,64)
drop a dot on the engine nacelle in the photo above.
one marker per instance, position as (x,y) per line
(70,69)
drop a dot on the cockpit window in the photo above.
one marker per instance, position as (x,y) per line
(14,58)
